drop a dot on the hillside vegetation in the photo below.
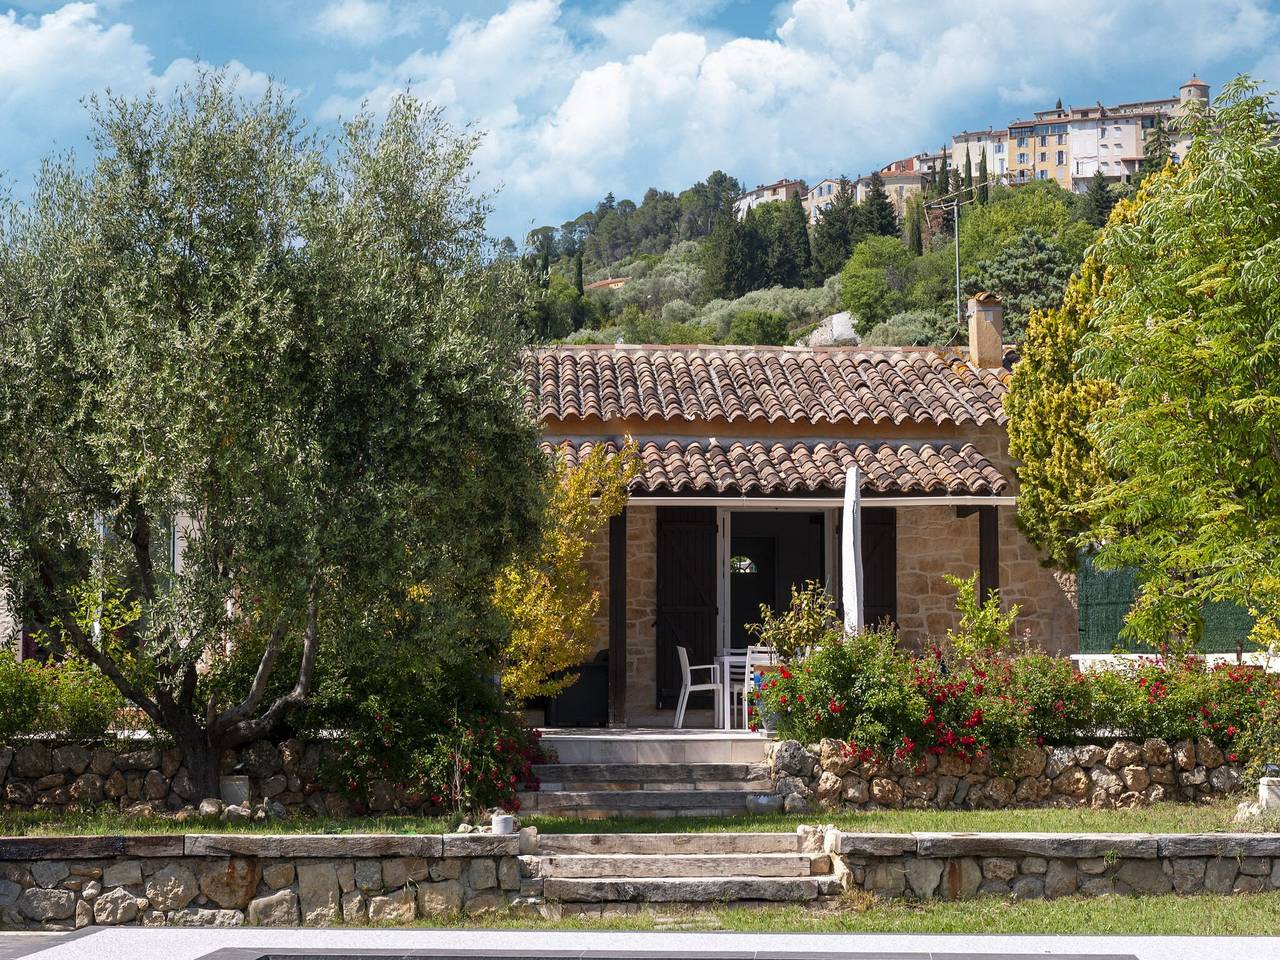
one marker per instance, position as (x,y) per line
(695,273)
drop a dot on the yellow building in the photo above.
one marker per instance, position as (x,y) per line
(1040,149)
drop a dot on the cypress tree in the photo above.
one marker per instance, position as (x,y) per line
(838,228)
(915,226)
(968,176)
(577,272)
(943,175)
(877,213)
(787,255)
(983,190)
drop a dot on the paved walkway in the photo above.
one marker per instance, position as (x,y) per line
(244,944)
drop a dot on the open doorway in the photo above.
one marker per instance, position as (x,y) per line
(769,553)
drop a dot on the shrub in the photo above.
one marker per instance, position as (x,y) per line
(912,328)
(21,689)
(80,703)
(811,621)
(757,326)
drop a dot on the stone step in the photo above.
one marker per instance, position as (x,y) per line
(724,889)
(638,844)
(642,772)
(630,866)
(709,747)
(637,802)
(586,786)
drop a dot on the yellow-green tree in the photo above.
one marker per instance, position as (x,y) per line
(548,595)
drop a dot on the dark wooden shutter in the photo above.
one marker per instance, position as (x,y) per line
(686,593)
(879,565)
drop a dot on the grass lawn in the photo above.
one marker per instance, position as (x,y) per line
(1207,915)
(1161,818)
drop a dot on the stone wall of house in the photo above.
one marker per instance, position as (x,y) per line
(64,883)
(1034,866)
(1119,775)
(642,614)
(261,780)
(933,541)
(597,563)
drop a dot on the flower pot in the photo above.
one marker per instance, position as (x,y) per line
(503,823)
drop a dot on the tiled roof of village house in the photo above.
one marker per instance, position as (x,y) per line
(721,383)
(801,466)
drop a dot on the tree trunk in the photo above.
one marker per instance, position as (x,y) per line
(203,761)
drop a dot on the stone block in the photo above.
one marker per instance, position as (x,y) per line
(33,761)
(482,874)
(1184,755)
(278,875)
(43,905)
(232,883)
(447,869)
(923,876)
(1090,755)
(122,874)
(1208,755)
(398,871)
(961,878)
(394,908)
(319,894)
(355,909)
(275,910)
(1123,753)
(999,868)
(115,907)
(1028,888)
(1156,753)
(49,873)
(885,792)
(1220,875)
(346,876)
(171,888)
(71,758)
(480,845)
(443,897)
(200,917)
(509,873)
(1188,875)
(1034,866)
(887,878)
(1061,878)
(1145,876)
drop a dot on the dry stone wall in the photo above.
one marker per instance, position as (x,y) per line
(1125,773)
(229,880)
(1034,866)
(268,779)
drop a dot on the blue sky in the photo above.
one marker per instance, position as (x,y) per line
(579,99)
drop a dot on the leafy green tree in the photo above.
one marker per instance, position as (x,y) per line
(1050,405)
(1098,200)
(877,215)
(1042,206)
(873,283)
(1185,329)
(1029,274)
(1157,150)
(757,326)
(292,353)
(838,229)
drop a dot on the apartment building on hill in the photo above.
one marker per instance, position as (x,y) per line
(819,197)
(973,145)
(783,189)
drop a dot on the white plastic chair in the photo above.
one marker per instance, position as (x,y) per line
(687,686)
(737,684)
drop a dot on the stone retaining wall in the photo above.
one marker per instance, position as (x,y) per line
(140,778)
(227,880)
(1122,774)
(1030,866)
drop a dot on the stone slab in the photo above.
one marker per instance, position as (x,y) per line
(1136,846)
(641,772)
(312,845)
(873,844)
(631,866)
(1220,845)
(667,843)
(90,848)
(480,845)
(682,890)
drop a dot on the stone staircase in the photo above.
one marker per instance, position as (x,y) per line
(581,873)
(599,776)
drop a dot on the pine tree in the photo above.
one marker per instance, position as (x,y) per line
(1157,151)
(968,176)
(983,189)
(838,228)
(787,255)
(1098,200)
(877,213)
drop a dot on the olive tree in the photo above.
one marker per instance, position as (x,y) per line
(290,355)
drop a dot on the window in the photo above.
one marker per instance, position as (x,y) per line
(1148,123)
(1044,156)
(999,148)
(1044,141)
(1022,141)
(1062,138)
(1044,174)
(1062,157)
(1022,158)
(743,565)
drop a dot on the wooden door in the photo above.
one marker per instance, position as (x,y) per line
(686,594)
(879,565)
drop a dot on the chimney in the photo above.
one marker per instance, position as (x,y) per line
(986,330)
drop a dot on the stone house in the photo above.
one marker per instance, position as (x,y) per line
(745,451)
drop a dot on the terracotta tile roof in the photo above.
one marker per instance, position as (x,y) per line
(798,384)
(801,466)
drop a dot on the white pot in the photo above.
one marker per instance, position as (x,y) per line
(503,823)
(1269,793)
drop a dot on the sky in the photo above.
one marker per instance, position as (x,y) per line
(581,99)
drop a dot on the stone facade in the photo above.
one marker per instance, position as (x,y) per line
(1121,774)
(65,883)
(265,779)
(1034,866)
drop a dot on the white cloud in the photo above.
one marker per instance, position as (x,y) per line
(367,22)
(49,63)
